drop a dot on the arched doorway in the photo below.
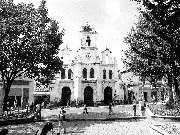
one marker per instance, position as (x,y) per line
(107,95)
(88,96)
(65,96)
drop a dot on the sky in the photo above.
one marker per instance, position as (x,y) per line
(112,19)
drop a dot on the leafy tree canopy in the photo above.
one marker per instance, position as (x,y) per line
(29,43)
(154,43)
(143,55)
(130,79)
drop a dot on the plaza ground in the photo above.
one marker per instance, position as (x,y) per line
(93,112)
(117,127)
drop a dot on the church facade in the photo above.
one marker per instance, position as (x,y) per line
(86,77)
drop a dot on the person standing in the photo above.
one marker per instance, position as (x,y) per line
(140,102)
(15,104)
(32,107)
(62,119)
(110,109)
(142,107)
(68,103)
(39,111)
(42,105)
(154,99)
(134,106)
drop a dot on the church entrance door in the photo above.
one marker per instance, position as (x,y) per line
(88,96)
(65,96)
(107,95)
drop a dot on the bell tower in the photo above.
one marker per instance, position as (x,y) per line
(88,50)
(88,36)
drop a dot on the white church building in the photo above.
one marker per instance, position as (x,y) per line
(87,77)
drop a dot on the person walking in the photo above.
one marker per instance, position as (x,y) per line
(62,119)
(110,109)
(85,109)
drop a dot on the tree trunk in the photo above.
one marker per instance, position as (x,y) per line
(7,89)
(170,91)
(176,87)
(1,100)
(171,99)
(176,92)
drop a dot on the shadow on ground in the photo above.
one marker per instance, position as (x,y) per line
(76,127)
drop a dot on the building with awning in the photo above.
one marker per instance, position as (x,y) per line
(148,91)
(21,91)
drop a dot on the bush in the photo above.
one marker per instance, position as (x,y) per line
(97,103)
(169,105)
(55,103)
(80,103)
(117,102)
(164,110)
(102,102)
(73,103)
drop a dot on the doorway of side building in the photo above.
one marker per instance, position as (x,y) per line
(145,96)
(107,95)
(65,96)
(88,96)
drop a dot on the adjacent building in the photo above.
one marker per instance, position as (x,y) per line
(21,91)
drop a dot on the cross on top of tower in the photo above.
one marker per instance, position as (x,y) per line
(87,28)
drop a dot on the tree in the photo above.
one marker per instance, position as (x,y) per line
(142,55)
(163,30)
(29,44)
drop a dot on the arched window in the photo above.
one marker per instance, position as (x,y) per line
(104,74)
(107,59)
(110,74)
(63,73)
(88,40)
(84,73)
(69,74)
(91,73)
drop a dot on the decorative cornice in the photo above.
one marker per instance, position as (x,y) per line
(88,81)
(66,81)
